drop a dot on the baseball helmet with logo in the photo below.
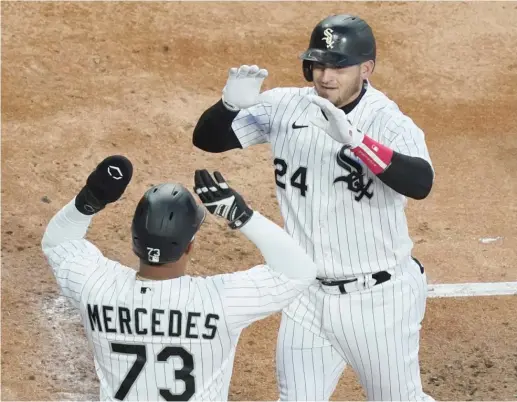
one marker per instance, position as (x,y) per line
(339,41)
(166,220)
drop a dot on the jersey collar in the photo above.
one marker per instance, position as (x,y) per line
(349,107)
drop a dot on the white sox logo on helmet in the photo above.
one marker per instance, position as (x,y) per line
(328,38)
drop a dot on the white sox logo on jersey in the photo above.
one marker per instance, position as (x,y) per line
(355,178)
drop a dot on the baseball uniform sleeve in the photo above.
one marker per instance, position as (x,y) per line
(253,125)
(256,293)
(251,295)
(71,257)
(405,137)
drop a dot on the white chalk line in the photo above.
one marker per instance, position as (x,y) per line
(472,289)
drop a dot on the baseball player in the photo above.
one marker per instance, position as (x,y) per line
(345,161)
(159,333)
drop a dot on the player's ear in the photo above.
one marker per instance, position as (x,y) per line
(367,69)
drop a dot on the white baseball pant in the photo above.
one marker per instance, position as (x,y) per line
(375,330)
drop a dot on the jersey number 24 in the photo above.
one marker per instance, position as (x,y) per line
(141,358)
(298,179)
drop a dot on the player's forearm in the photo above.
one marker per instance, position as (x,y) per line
(280,251)
(213,132)
(407,175)
(67,224)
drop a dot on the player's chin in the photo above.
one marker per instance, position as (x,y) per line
(329,95)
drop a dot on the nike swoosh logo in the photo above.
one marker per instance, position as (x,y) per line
(295,126)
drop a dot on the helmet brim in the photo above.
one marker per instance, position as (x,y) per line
(328,57)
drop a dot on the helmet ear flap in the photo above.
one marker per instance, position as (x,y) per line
(307,70)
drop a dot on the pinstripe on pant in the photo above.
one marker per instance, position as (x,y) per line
(376,331)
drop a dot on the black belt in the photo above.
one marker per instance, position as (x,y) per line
(419,264)
(380,277)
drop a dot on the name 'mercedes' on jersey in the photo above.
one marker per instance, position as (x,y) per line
(343,216)
(159,340)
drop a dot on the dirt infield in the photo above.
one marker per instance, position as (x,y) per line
(81,81)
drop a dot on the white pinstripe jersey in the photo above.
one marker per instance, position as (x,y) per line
(344,217)
(153,340)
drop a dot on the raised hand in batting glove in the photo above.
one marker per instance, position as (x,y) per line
(220,199)
(242,88)
(338,126)
(105,184)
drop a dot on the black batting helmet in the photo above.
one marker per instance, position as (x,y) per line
(165,221)
(339,41)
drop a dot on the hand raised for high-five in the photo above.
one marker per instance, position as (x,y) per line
(105,184)
(220,199)
(242,88)
(338,126)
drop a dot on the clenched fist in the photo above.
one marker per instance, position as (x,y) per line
(105,184)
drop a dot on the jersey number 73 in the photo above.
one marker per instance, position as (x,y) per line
(141,359)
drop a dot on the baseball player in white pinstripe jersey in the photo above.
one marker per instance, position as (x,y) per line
(159,333)
(346,158)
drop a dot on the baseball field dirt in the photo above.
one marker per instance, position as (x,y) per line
(81,81)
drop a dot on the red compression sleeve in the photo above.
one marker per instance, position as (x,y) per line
(375,155)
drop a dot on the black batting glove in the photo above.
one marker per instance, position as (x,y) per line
(220,199)
(105,184)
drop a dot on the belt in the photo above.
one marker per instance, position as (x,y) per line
(350,285)
(420,265)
